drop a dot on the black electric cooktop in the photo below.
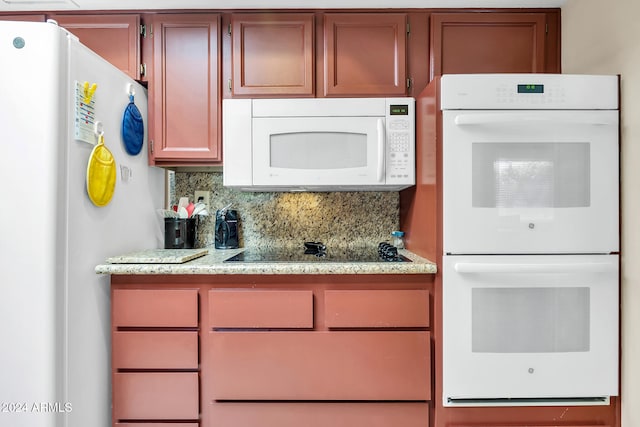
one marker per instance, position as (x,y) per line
(364,254)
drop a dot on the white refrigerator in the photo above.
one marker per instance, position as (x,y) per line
(54,309)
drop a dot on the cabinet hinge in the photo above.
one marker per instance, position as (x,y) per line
(151,146)
(146,30)
(229,84)
(409,83)
(143,69)
(408,28)
(229,29)
(546,28)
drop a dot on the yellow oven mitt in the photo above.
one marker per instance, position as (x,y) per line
(101,174)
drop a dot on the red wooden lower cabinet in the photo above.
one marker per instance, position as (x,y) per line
(311,414)
(271,351)
(348,365)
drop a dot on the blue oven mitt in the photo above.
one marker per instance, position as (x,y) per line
(132,128)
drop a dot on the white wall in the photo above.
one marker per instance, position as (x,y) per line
(603,37)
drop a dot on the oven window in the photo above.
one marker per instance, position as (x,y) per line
(318,150)
(530,320)
(531,175)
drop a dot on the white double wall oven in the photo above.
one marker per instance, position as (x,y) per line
(530,239)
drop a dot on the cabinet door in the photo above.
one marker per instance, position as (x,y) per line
(365,54)
(184,89)
(487,43)
(114,37)
(272,54)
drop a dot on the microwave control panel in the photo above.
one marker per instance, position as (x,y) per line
(400,141)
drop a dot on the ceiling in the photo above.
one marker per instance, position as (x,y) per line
(44,5)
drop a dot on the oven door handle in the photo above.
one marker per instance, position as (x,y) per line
(532,118)
(506,268)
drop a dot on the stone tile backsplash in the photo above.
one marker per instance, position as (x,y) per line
(345,219)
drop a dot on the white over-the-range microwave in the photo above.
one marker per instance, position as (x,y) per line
(319,144)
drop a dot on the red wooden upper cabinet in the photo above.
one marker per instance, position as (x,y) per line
(272,54)
(365,54)
(114,37)
(487,43)
(184,93)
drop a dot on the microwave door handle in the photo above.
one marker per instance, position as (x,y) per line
(506,268)
(531,118)
(381,140)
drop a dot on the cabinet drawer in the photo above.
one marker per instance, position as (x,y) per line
(376,309)
(291,414)
(155,308)
(155,350)
(260,309)
(373,365)
(155,396)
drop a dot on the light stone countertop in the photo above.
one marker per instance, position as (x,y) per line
(212,263)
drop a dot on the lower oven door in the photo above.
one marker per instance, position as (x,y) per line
(534,329)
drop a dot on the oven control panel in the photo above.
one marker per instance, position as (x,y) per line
(529,92)
(400,140)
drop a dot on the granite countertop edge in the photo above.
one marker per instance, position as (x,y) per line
(213,263)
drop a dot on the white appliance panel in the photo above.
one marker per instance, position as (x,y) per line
(60,352)
(30,111)
(529,92)
(532,327)
(530,273)
(530,182)
(318,144)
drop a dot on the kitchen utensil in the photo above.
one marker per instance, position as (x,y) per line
(190,207)
(183,202)
(199,209)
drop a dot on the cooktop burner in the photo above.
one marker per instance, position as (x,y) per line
(364,254)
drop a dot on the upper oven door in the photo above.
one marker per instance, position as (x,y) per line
(310,151)
(518,182)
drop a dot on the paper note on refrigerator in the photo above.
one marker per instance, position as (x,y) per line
(85,115)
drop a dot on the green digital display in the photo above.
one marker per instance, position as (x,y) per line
(399,110)
(529,88)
